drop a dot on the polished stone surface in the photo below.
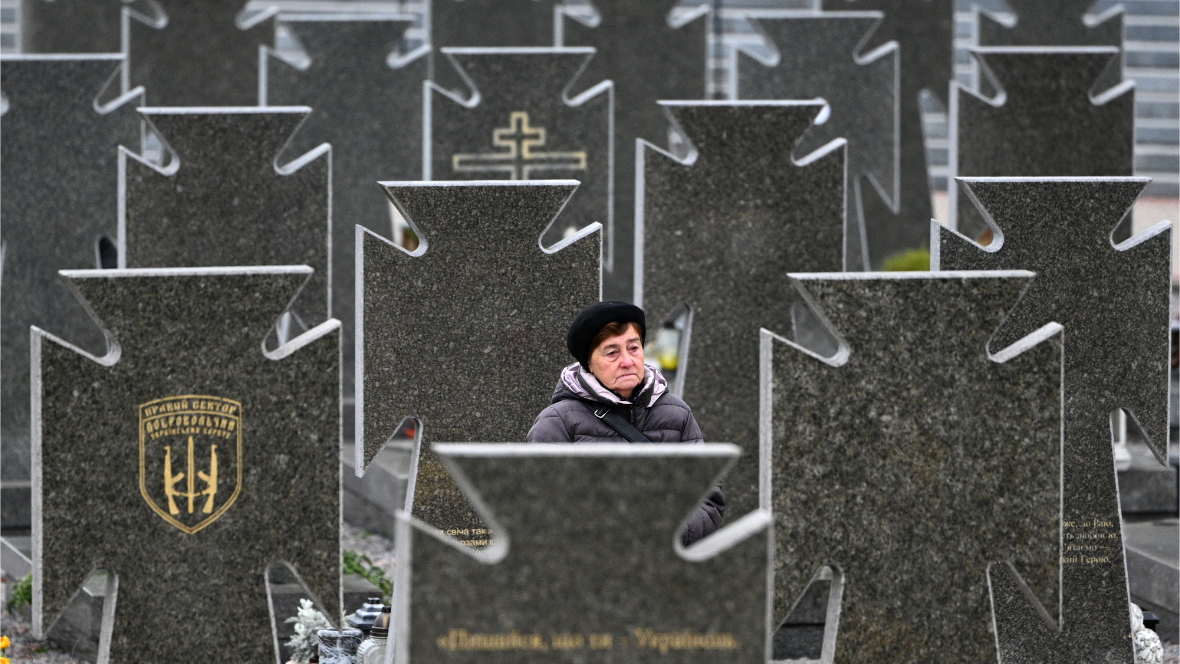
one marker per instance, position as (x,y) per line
(197,53)
(925,30)
(1113,303)
(100,460)
(650,53)
(463,23)
(227,200)
(720,234)
(469,336)
(71,26)
(1043,122)
(585,565)
(895,461)
(517,122)
(59,172)
(371,114)
(815,59)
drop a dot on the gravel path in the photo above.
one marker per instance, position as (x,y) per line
(27,649)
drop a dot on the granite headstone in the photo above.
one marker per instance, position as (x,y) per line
(814,58)
(185,461)
(586,565)
(720,231)
(925,31)
(518,122)
(1047,119)
(197,53)
(225,199)
(467,23)
(59,144)
(72,26)
(371,114)
(650,52)
(467,333)
(1113,301)
(909,459)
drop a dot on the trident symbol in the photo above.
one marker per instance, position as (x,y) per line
(170,480)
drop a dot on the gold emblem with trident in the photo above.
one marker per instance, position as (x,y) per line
(170,480)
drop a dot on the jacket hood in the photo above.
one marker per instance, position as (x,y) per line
(578,383)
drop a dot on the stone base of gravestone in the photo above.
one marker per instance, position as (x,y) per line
(1147,487)
(370,501)
(1153,571)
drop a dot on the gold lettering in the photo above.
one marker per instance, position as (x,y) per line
(685,640)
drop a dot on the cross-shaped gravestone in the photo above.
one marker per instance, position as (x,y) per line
(72,26)
(466,23)
(1113,302)
(371,114)
(925,31)
(59,143)
(1046,120)
(467,333)
(224,199)
(197,53)
(519,122)
(186,461)
(650,51)
(720,232)
(815,58)
(585,564)
(910,459)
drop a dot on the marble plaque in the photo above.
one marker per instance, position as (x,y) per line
(1047,119)
(197,53)
(815,57)
(224,198)
(925,31)
(59,136)
(909,459)
(586,564)
(517,121)
(467,333)
(185,461)
(720,231)
(72,26)
(650,51)
(1113,301)
(370,111)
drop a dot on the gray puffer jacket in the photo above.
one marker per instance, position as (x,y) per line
(660,415)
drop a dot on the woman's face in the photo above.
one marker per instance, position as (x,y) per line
(617,362)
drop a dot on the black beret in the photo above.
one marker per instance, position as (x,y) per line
(591,321)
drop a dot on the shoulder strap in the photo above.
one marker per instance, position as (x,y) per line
(620,424)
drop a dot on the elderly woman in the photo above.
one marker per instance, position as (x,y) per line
(610,395)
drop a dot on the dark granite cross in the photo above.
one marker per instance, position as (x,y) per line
(720,231)
(815,58)
(1113,301)
(186,461)
(225,200)
(526,88)
(585,564)
(925,31)
(73,26)
(197,53)
(467,334)
(909,459)
(1060,23)
(650,51)
(1048,119)
(483,23)
(369,111)
(59,138)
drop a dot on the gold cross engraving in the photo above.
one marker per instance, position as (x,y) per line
(520,160)
(171,480)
